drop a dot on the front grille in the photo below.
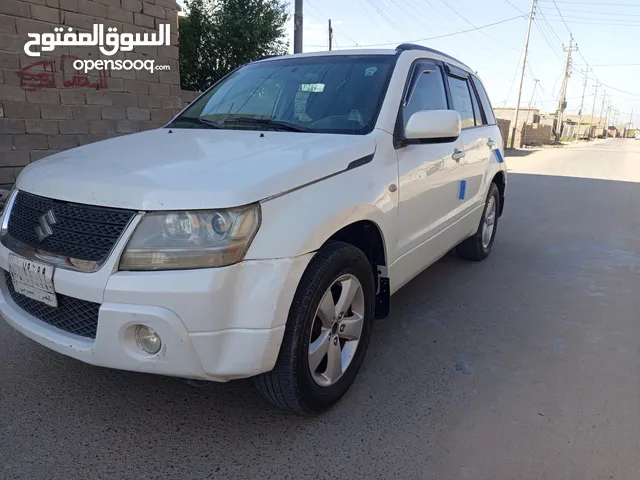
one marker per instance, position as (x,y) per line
(80,231)
(72,315)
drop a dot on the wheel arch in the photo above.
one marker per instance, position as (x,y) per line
(500,179)
(367,236)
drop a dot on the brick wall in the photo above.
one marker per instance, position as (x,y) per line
(537,135)
(46,106)
(504,126)
(188,97)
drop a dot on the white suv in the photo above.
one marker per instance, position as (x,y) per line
(261,231)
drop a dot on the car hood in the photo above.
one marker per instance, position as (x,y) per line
(191,168)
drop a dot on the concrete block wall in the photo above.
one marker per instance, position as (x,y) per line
(46,106)
(504,126)
(188,97)
(537,134)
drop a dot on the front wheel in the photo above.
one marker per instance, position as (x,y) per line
(327,333)
(478,247)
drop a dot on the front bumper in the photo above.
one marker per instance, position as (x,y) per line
(215,324)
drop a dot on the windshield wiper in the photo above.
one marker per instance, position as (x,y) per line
(196,121)
(267,122)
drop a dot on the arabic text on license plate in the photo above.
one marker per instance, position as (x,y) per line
(33,279)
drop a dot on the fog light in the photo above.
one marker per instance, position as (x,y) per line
(148,340)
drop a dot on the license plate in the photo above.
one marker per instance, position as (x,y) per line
(33,279)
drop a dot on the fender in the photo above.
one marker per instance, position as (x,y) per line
(302,220)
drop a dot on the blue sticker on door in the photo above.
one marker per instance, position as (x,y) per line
(463,189)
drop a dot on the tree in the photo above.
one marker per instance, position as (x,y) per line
(220,35)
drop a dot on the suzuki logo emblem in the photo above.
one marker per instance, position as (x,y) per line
(43,230)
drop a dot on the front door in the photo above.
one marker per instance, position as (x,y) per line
(430,173)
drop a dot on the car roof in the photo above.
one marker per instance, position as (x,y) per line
(419,50)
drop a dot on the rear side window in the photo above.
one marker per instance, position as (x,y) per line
(426,92)
(476,108)
(484,100)
(461,99)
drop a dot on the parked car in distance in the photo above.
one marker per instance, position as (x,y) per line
(260,232)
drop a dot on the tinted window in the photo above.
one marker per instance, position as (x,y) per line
(476,108)
(429,93)
(484,100)
(461,98)
(330,94)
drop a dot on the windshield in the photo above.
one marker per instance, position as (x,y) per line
(330,94)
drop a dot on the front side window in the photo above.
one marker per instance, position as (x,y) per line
(427,94)
(327,94)
(461,98)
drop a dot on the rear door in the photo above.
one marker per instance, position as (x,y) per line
(476,135)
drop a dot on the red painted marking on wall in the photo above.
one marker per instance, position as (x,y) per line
(41,74)
(73,80)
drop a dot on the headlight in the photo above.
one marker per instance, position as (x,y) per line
(5,210)
(191,239)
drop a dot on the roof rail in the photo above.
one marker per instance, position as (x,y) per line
(412,46)
(265,57)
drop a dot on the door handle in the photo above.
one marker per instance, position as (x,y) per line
(458,155)
(491,143)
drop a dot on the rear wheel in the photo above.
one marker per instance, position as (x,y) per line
(327,333)
(478,247)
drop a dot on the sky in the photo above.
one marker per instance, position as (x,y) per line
(606,36)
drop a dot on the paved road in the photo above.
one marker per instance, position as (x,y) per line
(521,367)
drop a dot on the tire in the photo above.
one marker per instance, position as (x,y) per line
(474,248)
(291,385)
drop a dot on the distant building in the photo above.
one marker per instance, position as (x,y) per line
(528,115)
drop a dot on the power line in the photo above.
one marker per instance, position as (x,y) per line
(474,26)
(445,35)
(632,5)
(515,75)
(418,10)
(547,40)
(594,18)
(372,17)
(559,13)
(308,2)
(522,12)
(597,22)
(524,61)
(605,85)
(384,15)
(404,21)
(616,65)
(614,14)
(548,25)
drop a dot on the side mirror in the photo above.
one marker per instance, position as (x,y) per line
(433,124)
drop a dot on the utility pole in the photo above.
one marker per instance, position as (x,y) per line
(584,89)
(593,110)
(535,84)
(607,118)
(604,98)
(297,27)
(630,121)
(330,35)
(524,63)
(562,103)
